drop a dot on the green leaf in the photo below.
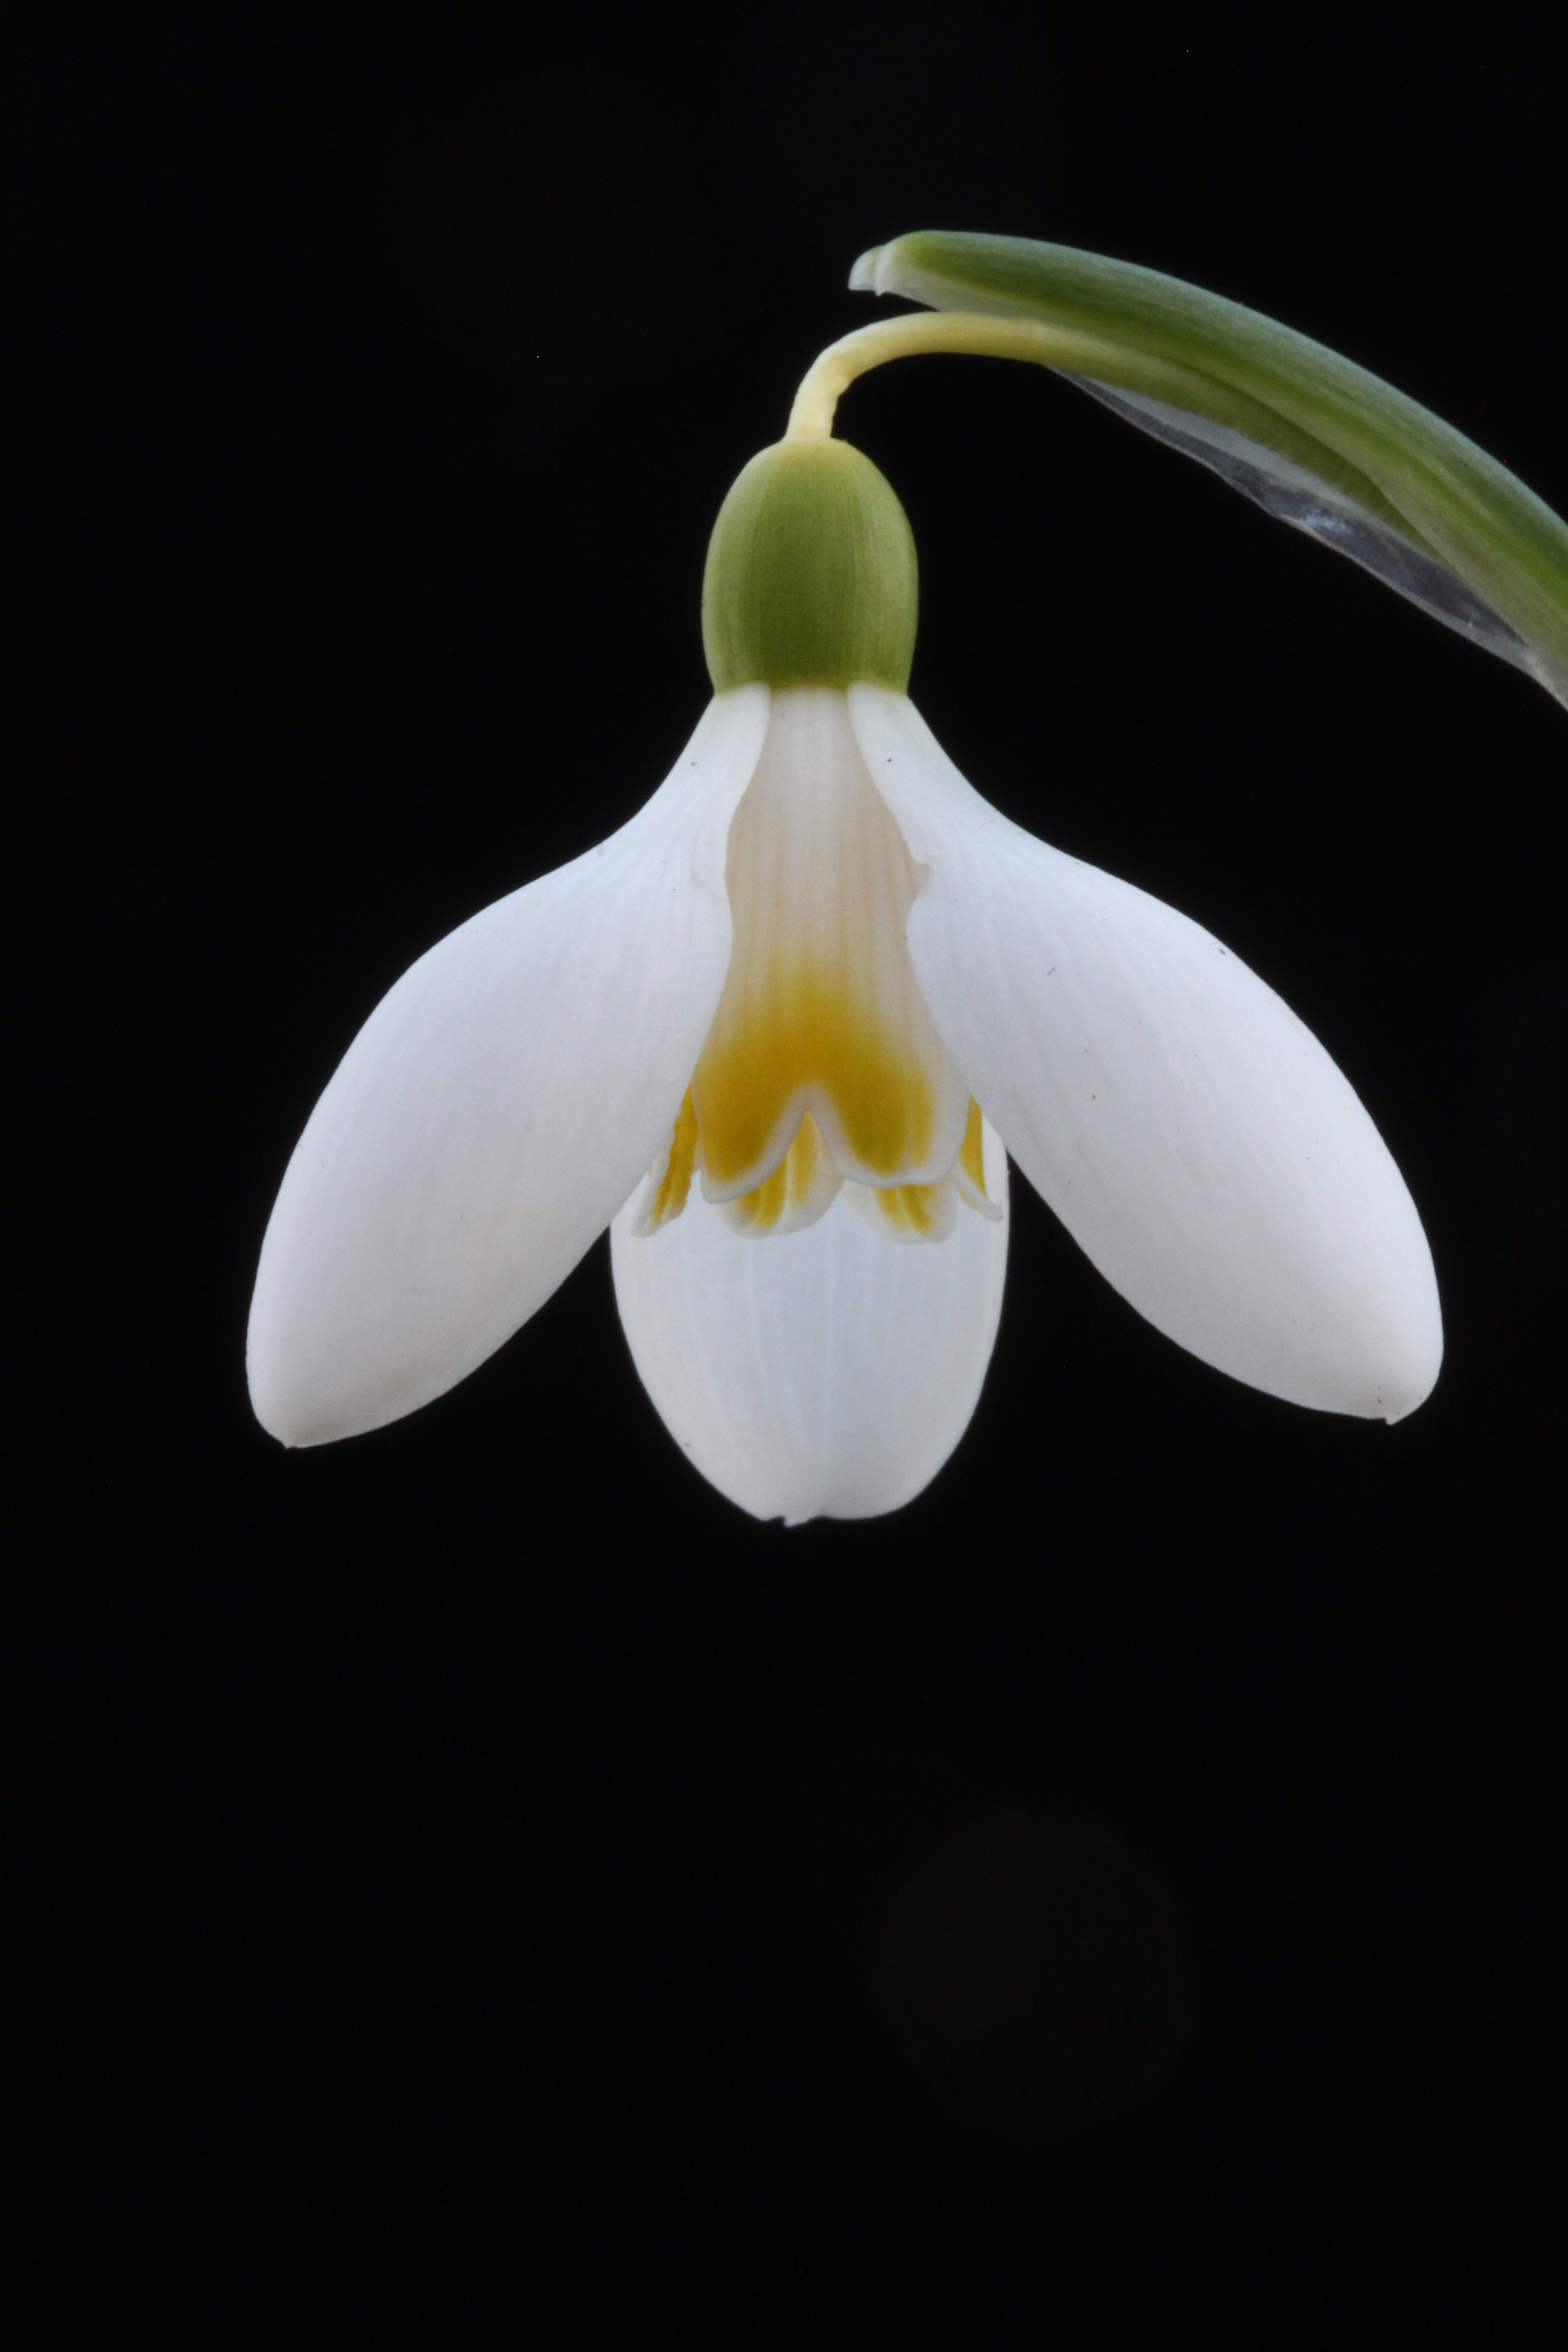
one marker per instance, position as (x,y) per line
(1318,441)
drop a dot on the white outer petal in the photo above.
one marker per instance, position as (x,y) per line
(496,1108)
(1190,1133)
(824,1374)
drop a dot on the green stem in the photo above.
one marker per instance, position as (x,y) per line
(1159,340)
(832,370)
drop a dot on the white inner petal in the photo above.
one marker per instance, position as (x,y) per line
(821,1012)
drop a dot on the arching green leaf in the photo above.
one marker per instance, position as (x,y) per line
(1316,440)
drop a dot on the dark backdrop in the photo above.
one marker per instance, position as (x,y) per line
(1112,1900)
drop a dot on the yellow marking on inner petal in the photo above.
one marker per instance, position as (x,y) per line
(801,1188)
(676,1182)
(803,1029)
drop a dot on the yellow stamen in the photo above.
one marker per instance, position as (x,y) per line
(675,1183)
(969,1168)
(972,1154)
(913,1212)
(800,1188)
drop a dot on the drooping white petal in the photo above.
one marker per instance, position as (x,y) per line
(1192,1135)
(496,1109)
(825,1373)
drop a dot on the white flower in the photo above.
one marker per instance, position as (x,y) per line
(778,1035)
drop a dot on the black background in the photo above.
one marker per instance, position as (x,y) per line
(1114,1900)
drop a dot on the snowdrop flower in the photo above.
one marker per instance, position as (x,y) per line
(819,988)
(779,1035)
